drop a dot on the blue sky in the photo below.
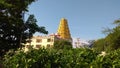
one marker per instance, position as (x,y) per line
(86,18)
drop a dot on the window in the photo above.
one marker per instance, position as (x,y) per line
(48,45)
(52,40)
(38,46)
(28,46)
(38,40)
(48,40)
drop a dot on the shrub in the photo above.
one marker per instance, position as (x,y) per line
(62,58)
(62,44)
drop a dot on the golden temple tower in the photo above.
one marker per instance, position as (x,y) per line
(63,30)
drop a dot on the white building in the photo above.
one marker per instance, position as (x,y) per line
(37,42)
(77,43)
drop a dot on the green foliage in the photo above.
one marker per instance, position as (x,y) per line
(113,38)
(62,44)
(31,25)
(99,45)
(111,41)
(110,60)
(13,29)
(62,58)
(48,58)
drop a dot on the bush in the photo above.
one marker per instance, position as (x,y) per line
(49,58)
(100,45)
(62,58)
(110,60)
(62,44)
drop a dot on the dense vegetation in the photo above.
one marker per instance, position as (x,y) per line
(62,58)
(111,41)
(14,30)
(62,44)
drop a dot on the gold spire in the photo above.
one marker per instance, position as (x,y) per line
(63,29)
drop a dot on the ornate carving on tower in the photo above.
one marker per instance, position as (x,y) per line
(63,30)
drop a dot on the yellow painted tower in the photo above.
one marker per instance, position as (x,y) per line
(63,30)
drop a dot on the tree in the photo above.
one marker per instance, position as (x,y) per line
(113,36)
(62,44)
(111,41)
(30,27)
(13,29)
(100,44)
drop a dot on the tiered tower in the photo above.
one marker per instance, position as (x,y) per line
(63,30)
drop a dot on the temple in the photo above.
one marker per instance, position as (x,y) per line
(63,30)
(63,33)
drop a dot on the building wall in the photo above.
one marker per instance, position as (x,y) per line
(40,42)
